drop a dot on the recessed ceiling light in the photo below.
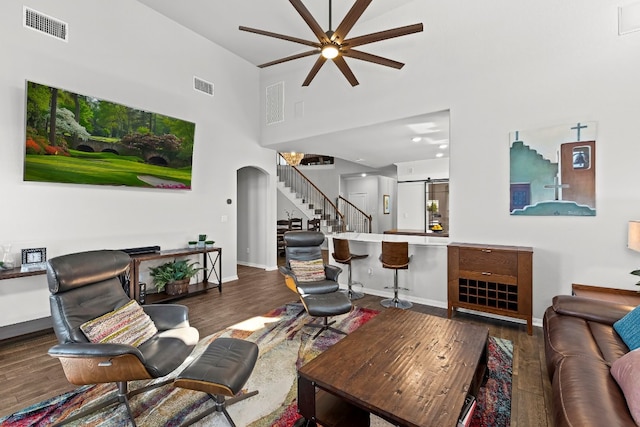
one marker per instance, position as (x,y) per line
(416,139)
(363,175)
(443,146)
(359,160)
(439,155)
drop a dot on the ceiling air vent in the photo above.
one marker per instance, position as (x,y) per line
(45,24)
(202,85)
(275,103)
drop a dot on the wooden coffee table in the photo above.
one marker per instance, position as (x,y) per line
(408,368)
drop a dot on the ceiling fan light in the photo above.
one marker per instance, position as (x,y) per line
(330,51)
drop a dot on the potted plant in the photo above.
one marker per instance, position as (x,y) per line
(636,273)
(173,277)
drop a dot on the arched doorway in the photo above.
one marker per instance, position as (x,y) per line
(252,219)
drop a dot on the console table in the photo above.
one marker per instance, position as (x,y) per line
(212,256)
(14,273)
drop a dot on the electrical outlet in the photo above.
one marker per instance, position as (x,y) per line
(247,250)
(370,272)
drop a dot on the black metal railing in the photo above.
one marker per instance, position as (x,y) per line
(355,219)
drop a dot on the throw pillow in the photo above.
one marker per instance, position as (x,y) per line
(629,328)
(128,324)
(308,271)
(626,372)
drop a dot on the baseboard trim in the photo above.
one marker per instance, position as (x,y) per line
(251,264)
(22,329)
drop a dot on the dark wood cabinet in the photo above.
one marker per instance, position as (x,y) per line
(491,278)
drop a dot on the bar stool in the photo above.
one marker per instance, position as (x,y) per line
(395,255)
(342,255)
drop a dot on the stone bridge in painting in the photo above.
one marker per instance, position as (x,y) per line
(93,146)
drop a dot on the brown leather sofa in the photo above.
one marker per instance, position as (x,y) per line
(580,346)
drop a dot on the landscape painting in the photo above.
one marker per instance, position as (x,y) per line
(553,171)
(79,139)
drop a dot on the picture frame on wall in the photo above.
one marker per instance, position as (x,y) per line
(553,170)
(386,204)
(108,144)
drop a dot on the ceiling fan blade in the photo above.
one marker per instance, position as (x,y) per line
(289,58)
(372,58)
(342,65)
(280,36)
(314,70)
(350,19)
(310,20)
(382,35)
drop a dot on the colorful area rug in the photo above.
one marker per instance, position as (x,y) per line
(284,346)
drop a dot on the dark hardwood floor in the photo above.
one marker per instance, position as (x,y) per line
(29,375)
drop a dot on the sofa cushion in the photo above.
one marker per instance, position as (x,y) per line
(626,372)
(128,324)
(566,336)
(585,394)
(608,341)
(308,271)
(629,328)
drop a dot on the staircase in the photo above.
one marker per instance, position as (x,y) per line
(309,200)
(313,203)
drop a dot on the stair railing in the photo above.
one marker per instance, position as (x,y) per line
(356,219)
(311,195)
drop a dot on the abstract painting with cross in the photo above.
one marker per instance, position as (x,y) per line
(552,170)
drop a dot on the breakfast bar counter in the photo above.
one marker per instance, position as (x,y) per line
(426,277)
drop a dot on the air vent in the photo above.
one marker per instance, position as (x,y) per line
(629,18)
(45,24)
(202,86)
(275,103)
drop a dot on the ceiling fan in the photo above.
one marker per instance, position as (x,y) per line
(333,45)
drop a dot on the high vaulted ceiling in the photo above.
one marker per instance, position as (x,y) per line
(376,146)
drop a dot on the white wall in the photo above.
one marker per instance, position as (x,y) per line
(121,51)
(411,193)
(411,205)
(423,169)
(367,187)
(327,177)
(501,66)
(388,221)
(286,209)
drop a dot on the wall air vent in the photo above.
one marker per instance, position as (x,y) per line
(275,103)
(45,24)
(202,86)
(629,18)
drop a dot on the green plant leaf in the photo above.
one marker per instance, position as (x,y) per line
(172,271)
(636,272)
